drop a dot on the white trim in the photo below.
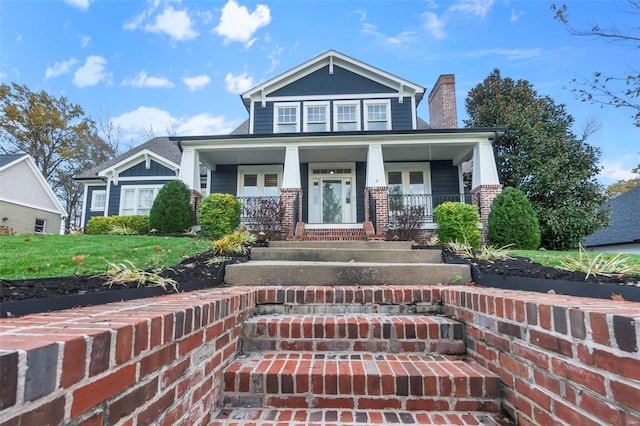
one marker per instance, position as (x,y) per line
(31,206)
(136,159)
(106,210)
(252,108)
(260,171)
(335,97)
(333,226)
(313,214)
(326,105)
(84,203)
(336,104)
(93,208)
(405,168)
(137,188)
(278,105)
(414,114)
(372,102)
(44,226)
(124,180)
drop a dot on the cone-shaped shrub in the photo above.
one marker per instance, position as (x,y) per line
(219,215)
(513,221)
(172,211)
(457,222)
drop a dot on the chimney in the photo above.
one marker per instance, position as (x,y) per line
(442,103)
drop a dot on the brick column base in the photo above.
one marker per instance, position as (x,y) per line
(196,198)
(483,196)
(288,197)
(380,195)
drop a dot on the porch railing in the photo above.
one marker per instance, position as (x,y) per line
(427,202)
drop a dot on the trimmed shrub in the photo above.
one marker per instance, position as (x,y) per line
(513,221)
(104,224)
(219,215)
(457,222)
(171,211)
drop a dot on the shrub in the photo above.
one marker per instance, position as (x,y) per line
(457,222)
(265,215)
(219,214)
(237,242)
(513,221)
(171,211)
(406,223)
(104,224)
(7,230)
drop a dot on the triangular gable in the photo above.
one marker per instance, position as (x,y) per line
(330,60)
(145,156)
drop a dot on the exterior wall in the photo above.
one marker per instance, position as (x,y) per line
(633,248)
(304,181)
(114,192)
(23,219)
(445,179)
(561,360)
(147,361)
(224,180)
(155,169)
(288,197)
(361,181)
(442,103)
(381,196)
(484,196)
(88,213)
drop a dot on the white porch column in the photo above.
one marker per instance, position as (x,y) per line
(485,171)
(190,169)
(375,167)
(291,178)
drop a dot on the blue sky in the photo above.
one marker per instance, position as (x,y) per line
(171,66)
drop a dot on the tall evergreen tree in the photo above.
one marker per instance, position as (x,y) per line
(540,155)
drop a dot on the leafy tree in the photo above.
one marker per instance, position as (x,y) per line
(172,211)
(620,90)
(57,134)
(513,221)
(541,156)
(622,186)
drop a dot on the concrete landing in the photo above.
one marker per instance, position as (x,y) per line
(338,254)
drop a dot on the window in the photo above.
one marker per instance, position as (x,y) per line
(346,116)
(316,117)
(259,181)
(137,200)
(98,200)
(377,115)
(40,227)
(286,118)
(408,185)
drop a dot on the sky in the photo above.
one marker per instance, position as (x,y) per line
(158,67)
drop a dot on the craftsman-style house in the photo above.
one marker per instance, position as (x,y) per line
(338,141)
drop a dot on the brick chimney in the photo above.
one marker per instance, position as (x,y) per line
(442,103)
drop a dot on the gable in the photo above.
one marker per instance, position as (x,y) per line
(341,81)
(154,169)
(22,185)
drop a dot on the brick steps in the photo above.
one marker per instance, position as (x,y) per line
(354,332)
(345,417)
(360,381)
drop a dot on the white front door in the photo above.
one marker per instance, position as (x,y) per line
(331,193)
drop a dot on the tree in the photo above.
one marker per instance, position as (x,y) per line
(622,186)
(541,156)
(513,221)
(618,91)
(57,134)
(172,211)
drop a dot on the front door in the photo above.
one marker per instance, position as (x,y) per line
(331,197)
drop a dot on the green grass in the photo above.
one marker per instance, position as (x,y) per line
(40,256)
(555,258)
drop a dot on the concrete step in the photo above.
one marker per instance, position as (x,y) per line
(338,254)
(378,245)
(354,333)
(347,417)
(344,273)
(360,381)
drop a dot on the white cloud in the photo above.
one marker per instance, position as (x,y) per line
(92,72)
(393,41)
(508,53)
(79,4)
(60,68)
(616,171)
(197,82)
(145,121)
(143,80)
(434,25)
(473,7)
(19,38)
(3,75)
(238,83)
(516,14)
(176,23)
(237,24)
(362,13)
(84,40)
(273,57)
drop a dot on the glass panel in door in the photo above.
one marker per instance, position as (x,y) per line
(332,201)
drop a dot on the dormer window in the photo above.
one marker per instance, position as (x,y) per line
(316,116)
(346,115)
(286,117)
(377,115)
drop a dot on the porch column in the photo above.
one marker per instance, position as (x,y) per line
(485,185)
(190,169)
(291,192)
(376,190)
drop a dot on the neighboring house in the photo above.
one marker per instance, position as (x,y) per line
(623,234)
(339,142)
(27,202)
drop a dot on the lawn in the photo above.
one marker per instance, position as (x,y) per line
(40,256)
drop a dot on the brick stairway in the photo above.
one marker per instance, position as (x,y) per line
(355,355)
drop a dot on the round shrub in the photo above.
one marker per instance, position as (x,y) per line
(457,222)
(513,221)
(219,215)
(172,211)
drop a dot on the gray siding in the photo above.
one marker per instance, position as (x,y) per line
(224,179)
(304,181)
(342,81)
(361,180)
(401,117)
(155,169)
(88,213)
(444,179)
(263,118)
